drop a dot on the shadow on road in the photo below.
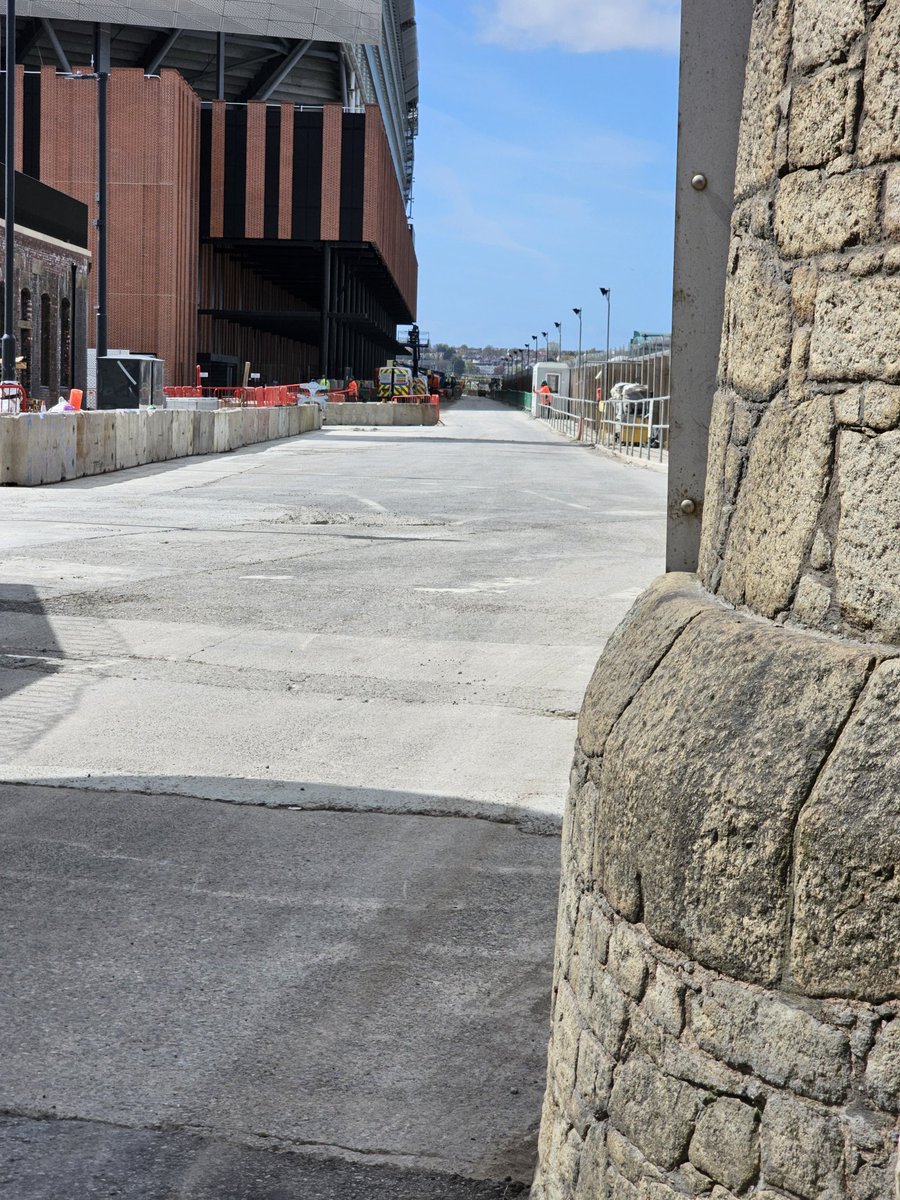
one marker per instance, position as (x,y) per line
(363,985)
(62,1159)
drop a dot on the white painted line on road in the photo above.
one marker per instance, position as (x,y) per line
(490,585)
(555,500)
(368,503)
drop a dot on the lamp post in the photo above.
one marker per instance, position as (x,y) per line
(9,338)
(527,356)
(534,338)
(606,293)
(577,312)
(558,325)
(546,336)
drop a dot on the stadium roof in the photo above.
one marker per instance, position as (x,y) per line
(356,22)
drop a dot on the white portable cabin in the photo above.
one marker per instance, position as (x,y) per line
(555,374)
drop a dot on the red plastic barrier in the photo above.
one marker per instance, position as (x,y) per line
(13,398)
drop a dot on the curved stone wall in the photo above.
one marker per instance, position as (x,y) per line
(803,502)
(726,1014)
(726,996)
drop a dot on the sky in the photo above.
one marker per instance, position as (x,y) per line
(545,168)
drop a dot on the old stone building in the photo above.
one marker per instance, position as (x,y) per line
(50,288)
(726,1015)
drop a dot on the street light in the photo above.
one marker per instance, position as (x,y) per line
(527,355)
(546,336)
(606,293)
(577,312)
(558,325)
(534,338)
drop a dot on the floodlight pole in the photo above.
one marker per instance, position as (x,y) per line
(9,292)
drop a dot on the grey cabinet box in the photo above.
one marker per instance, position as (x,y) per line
(129,382)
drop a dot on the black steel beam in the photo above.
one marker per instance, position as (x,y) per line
(268,79)
(158,49)
(28,39)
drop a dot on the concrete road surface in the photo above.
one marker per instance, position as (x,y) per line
(285,739)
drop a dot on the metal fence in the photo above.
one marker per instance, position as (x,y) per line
(647,364)
(577,419)
(638,428)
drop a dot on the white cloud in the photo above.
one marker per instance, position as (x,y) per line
(584,26)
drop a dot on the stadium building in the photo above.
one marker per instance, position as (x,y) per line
(260,161)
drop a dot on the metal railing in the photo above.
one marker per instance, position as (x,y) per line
(638,428)
(577,419)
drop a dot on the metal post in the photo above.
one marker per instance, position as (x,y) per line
(607,293)
(101,67)
(9,337)
(220,66)
(326,308)
(558,325)
(715,36)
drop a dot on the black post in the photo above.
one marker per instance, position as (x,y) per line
(325,331)
(9,289)
(414,346)
(101,68)
(220,66)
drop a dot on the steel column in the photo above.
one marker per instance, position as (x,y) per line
(325,330)
(101,67)
(61,58)
(9,294)
(220,66)
(715,36)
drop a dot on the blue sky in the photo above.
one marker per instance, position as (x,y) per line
(545,167)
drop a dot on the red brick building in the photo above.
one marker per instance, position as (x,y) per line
(245,222)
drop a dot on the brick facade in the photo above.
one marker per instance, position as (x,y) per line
(153,198)
(264,185)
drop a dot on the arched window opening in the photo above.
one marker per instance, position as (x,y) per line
(23,360)
(46,340)
(65,343)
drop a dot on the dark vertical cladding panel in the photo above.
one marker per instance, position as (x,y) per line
(205,169)
(353,156)
(31,126)
(235,198)
(272,170)
(307,208)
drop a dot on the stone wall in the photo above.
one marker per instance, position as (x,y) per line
(726,980)
(726,1012)
(803,505)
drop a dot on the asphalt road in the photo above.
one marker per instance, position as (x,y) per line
(285,740)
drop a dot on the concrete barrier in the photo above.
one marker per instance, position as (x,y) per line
(37,449)
(381,414)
